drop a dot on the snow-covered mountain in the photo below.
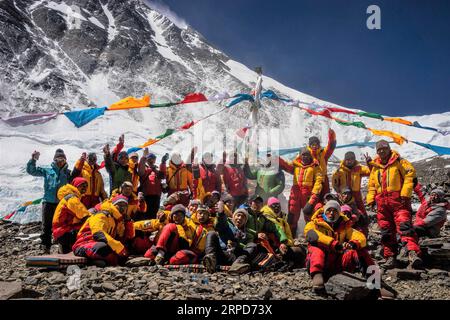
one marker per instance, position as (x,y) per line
(66,55)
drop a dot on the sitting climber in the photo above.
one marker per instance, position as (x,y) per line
(333,245)
(202,217)
(432,213)
(137,207)
(231,240)
(181,241)
(229,204)
(351,208)
(102,236)
(293,253)
(69,214)
(147,232)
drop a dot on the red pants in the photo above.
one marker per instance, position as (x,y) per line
(393,218)
(173,246)
(141,244)
(90,201)
(359,201)
(96,251)
(324,261)
(297,200)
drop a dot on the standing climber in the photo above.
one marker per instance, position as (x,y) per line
(306,186)
(390,189)
(88,168)
(54,177)
(151,181)
(349,175)
(322,155)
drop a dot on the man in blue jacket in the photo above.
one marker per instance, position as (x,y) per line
(54,177)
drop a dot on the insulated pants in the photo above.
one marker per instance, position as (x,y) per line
(176,248)
(48,210)
(298,198)
(321,259)
(394,218)
(97,251)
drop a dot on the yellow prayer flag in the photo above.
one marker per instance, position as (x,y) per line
(398,139)
(131,103)
(399,120)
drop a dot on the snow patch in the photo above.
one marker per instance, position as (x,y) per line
(71,14)
(97,23)
(155,20)
(112,30)
(97,90)
(165,11)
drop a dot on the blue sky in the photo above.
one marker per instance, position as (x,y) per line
(323,48)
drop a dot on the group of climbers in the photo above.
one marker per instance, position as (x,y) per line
(211,217)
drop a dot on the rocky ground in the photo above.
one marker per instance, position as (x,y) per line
(145,282)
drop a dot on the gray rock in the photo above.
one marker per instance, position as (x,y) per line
(56,277)
(345,286)
(31,281)
(265,293)
(10,289)
(405,274)
(108,286)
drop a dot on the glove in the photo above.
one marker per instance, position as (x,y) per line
(165,158)
(35,155)
(353,245)
(124,252)
(336,246)
(308,209)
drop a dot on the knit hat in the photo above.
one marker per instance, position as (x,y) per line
(257,197)
(59,153)
(346,208)
(332,204)
(118,199)
(313,140)
(241,211)
(92,155)
(215,193)
(126,184)
(439,192)
(272,200)
(151,156)
(176,158)
(133,154)
(78,181)
(347,190)
(202,207)
(330,196)
(382,144)
(195,202)
(227,197)
(122,154)
(349,155)
(304,151)
(178,208)
(208,158)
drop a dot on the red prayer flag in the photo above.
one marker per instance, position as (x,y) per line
(333,109)
(194,97)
